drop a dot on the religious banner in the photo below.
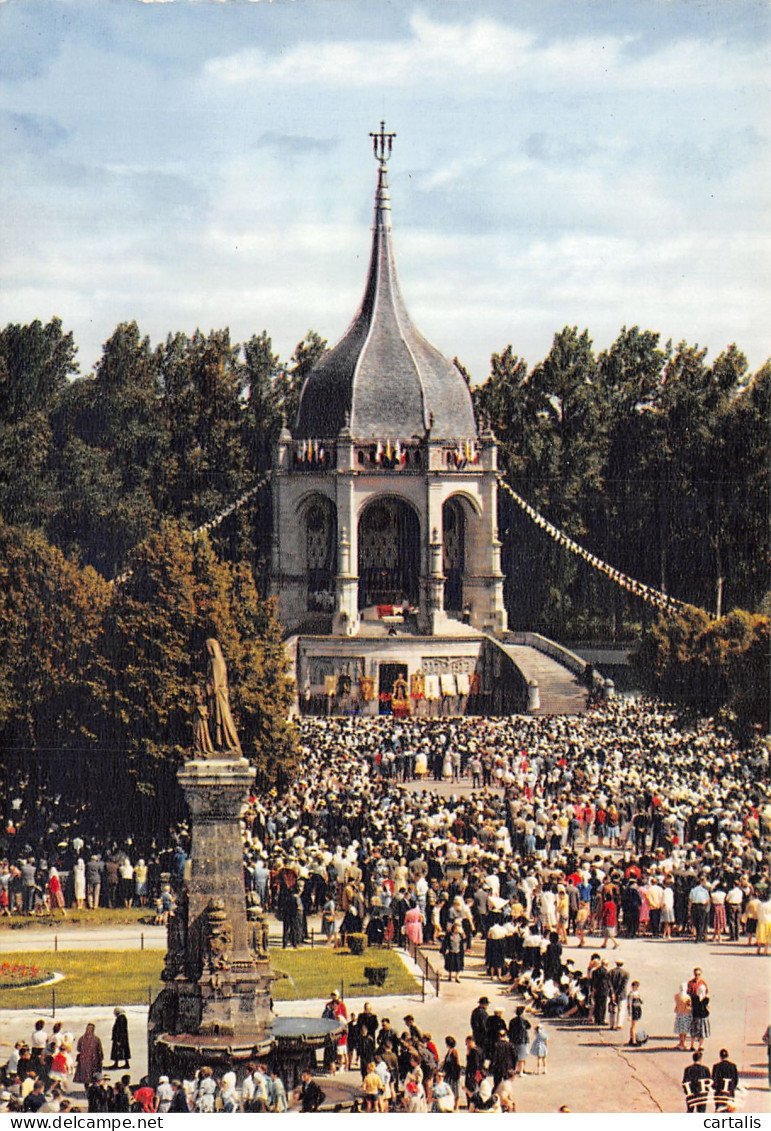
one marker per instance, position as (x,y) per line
(417,685)
(432,687)
(367,688)
(464,683)
(449,686)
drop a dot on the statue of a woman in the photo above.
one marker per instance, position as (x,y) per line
(202,743)
(224,732)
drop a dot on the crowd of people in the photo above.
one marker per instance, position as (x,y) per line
(678,816)
(401,1069)
(623,822)
(618,822)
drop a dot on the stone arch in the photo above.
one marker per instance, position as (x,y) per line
(388,547)
(453,553)
(318,515)
(471,501)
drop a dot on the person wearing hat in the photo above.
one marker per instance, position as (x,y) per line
(478,1021)
(179,1102)
(164,1094)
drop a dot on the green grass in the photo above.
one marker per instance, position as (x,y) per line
(315,973)
(120,977)
(96,977)
(100,917)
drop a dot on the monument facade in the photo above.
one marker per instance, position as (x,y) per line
(216,1007)
(386,561)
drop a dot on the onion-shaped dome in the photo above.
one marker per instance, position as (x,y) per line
(383,378)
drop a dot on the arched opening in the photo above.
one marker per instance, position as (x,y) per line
(454,554)
(389,553)
(320,553)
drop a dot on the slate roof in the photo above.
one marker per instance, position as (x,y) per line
(383,375)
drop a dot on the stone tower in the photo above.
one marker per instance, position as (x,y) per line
(384,490)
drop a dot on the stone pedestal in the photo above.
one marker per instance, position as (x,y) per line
(215,1008)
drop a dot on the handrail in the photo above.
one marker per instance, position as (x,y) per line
(423,964)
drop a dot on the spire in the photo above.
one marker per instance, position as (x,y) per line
(383,378)
(382,144)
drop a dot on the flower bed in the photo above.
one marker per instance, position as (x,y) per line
(16,975)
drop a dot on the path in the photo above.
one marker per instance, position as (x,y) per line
(589,1069)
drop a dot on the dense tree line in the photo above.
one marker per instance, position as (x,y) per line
(96,680)
(653,459)
(110,471)
(95,462)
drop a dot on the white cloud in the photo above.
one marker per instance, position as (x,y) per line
(540,177)
(487,50)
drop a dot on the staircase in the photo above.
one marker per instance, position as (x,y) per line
(561,691)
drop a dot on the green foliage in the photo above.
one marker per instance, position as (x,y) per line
(709,664)
(178,594)
(35,363)
(96,681)
(651,458)
(51,611)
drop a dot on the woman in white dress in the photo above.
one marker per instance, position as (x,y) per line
(79,878)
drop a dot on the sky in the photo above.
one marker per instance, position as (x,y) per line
(207,163)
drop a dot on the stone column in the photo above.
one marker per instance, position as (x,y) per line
(215,791)
(436,582)
(215,1007)
(347,585)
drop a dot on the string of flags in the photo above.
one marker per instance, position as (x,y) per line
(310,451)
(390,452)
(645,592)
(463,453)
(212,524)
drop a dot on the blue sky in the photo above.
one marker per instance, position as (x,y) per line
(195,163)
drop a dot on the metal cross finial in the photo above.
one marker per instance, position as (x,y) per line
(381,144)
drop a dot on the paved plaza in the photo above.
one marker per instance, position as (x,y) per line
(589,1069)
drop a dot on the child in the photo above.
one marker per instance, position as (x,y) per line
(538,1049)
(634,1005)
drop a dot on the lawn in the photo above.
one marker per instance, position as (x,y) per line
(315,973)
(119,977)
(97,977)
(100,917)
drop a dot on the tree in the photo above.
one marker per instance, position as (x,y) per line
(110,454)
(740,452)
(35,363)
(51,610)
(178,594)
(709,664)
(290,380)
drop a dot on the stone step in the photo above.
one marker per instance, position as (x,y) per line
(561,692)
